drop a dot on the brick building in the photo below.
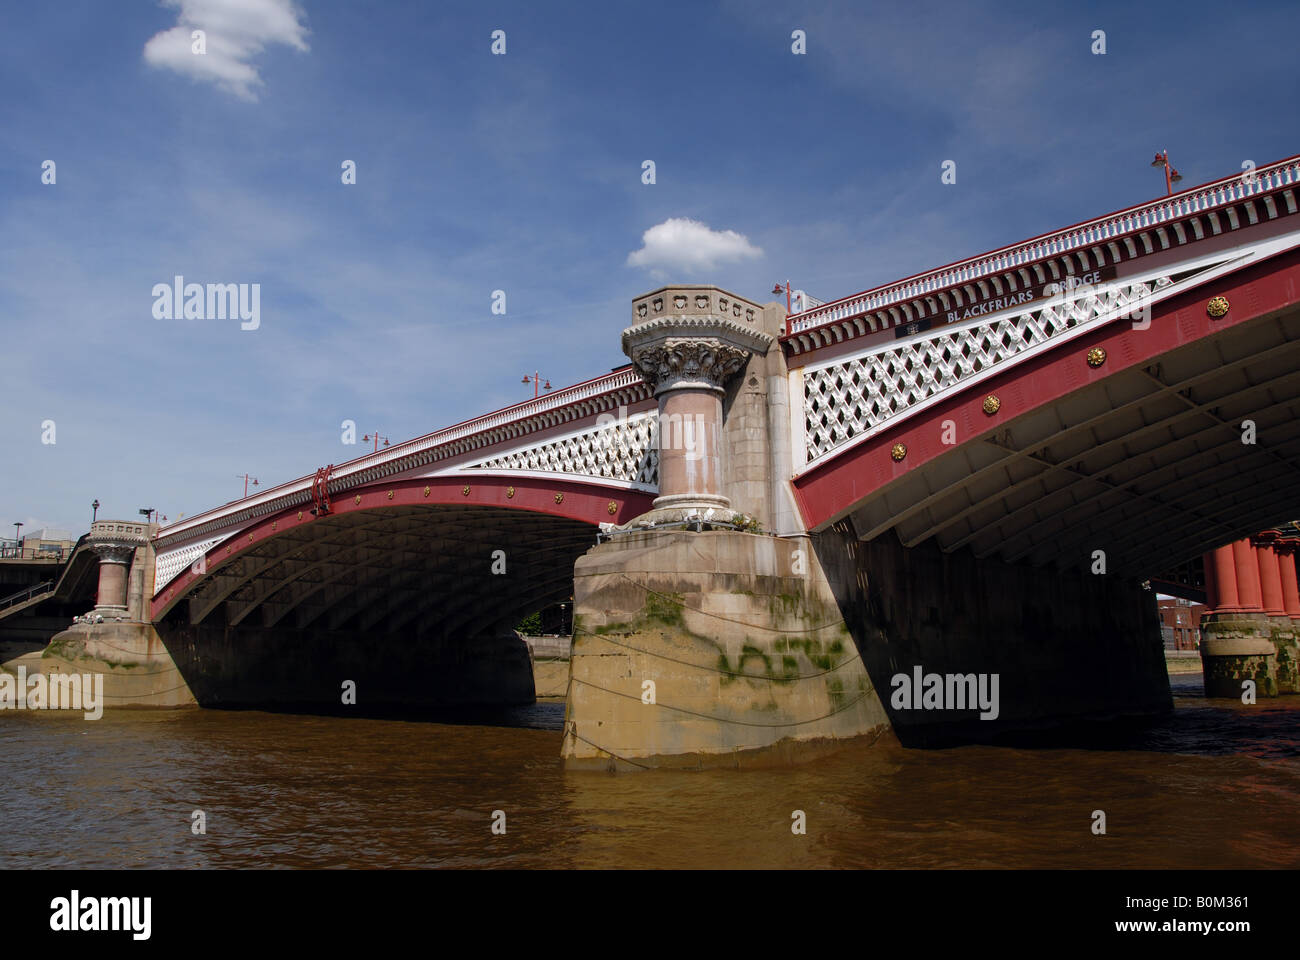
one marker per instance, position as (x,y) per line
(1180,622)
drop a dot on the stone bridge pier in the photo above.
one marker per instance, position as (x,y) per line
(116,638)
(700,638)
(1253,631)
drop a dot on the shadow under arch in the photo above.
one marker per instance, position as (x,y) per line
(409,591)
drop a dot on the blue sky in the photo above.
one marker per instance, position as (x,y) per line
(522,173)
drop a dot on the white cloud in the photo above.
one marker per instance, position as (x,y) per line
(690,246)
(235,32)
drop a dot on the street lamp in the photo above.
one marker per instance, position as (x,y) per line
(94,510)
(776,291)
(147,513)
(536,381)
(375,437)
(1172,176)
(246,479)
(18,550)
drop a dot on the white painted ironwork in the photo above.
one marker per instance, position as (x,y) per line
(624,450)
(170,563)
(854,397)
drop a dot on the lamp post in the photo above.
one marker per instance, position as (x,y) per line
(375,437)
(94,510)
(536,381)
(18,549)
(147,513)
(1172,176)
(246,479)
(776,290)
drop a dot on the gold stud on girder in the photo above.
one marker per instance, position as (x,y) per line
(510,492)
(426,492)
(299,514)
(464,491)
(992,404)
(357,500)
(898,452)
(390,494)
(559,498)
(1217,307)
(612,508)
(1096,357)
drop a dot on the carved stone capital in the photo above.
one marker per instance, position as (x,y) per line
(114,541)
(110,551)
(677,362)
(673,353)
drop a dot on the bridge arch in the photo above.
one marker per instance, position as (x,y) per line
(378,529)
(399,582)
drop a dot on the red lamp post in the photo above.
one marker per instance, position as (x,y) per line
(776,290)
(1172,176)
(536,381)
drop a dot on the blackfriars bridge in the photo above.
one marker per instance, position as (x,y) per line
(976,470)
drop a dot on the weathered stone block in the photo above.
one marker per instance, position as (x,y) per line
(750,663)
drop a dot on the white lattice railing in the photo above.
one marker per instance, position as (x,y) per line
(1090,233)
(855,397)
(167,564)
(625,450)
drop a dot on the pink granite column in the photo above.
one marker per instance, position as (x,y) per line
(1250,596)
(1270,578)
(1290,588)
(114,565)
(1226,599)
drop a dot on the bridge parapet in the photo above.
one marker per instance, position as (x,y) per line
(696,300)
(124,531)
(904,300)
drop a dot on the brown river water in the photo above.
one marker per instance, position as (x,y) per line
(1216,784)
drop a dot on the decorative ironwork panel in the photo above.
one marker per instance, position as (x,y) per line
(853,397)
(626,449)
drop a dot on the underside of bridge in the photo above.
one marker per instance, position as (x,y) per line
(1153,465)
(414,604)
(1021,549)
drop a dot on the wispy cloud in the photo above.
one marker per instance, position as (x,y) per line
(688,245)
(234,32)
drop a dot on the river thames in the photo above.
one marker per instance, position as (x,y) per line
(1216,784)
